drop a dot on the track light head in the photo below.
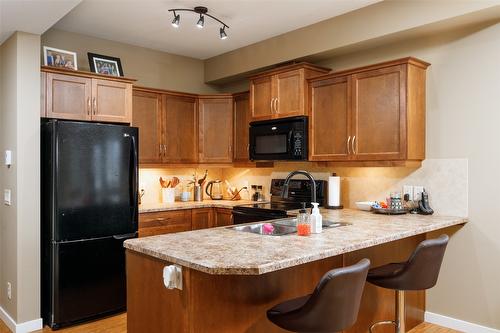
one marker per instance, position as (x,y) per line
(222,32)
(201,22)
(176,21)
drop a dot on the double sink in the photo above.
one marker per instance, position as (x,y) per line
(281,227)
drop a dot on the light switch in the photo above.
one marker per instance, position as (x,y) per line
(6,197)
(8,158)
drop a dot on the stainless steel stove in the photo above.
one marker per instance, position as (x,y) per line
(299,192)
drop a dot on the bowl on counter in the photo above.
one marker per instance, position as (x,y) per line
(365,205)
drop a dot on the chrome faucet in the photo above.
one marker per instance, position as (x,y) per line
(284,193)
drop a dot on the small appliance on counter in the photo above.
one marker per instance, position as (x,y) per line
(299,191)
(279,139)
(214,189)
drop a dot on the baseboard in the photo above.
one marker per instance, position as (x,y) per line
(26,327)
(457,324)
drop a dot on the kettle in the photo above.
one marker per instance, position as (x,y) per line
(214,189)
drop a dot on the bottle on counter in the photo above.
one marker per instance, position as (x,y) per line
(303,222)
(316,219)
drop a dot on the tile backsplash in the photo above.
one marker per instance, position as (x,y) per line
(444,179)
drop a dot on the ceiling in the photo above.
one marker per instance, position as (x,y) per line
(25,15)
(147,23)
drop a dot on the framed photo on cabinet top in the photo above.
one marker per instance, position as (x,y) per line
(107,65)
(59,58)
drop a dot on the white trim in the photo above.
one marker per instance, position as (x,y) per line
(457,324)
(26,327)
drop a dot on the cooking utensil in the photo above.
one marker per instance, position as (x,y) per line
(202,180)
(163,183)
(175,182)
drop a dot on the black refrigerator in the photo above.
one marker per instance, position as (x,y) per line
(89,207)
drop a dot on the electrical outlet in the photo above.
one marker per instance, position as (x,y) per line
(417,192)
(407,189)
(9,290)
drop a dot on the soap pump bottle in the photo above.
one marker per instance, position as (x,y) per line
(316,219)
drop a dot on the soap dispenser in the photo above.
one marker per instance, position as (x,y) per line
(316,219)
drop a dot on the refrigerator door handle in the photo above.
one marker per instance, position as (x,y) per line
(125,236)
(133,176)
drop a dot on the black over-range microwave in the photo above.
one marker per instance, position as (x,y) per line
(279,139)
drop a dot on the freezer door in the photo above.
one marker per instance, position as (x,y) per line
(88,280)
(96,180)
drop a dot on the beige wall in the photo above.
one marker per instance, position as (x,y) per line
(151,68)
(463,85)
(386,20)
(20,132)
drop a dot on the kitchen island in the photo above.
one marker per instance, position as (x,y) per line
(231,278)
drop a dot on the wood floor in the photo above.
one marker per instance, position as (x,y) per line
(118,324)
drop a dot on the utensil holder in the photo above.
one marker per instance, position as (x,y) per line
(168,195)
(198,193)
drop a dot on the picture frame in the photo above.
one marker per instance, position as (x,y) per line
(102,64)
(59,58)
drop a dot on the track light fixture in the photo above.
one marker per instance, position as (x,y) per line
(176,21)
(202,11)
(222,32)
(201,22)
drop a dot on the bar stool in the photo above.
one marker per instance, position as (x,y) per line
(333,306)
(420,272)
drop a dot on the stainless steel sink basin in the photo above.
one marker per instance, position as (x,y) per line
(281,227)
(259,228)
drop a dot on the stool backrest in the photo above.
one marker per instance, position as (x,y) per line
(334,304)
(421,271)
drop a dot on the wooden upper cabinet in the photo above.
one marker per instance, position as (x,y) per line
(68,97)
(215,117)
(374,113)
(289,94)
(112,101)
(261,90)
(147,116)
(330,119)
(77,95)
(379,114)
(180,130)
(241,116)
(281,92)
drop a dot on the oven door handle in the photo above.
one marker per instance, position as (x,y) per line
(290,137)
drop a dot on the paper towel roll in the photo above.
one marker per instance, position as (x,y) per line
(334,191)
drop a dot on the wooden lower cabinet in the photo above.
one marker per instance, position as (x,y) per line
(167,222)
(202,218)
(223,217)
(238,303)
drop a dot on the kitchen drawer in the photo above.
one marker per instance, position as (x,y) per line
(164,222)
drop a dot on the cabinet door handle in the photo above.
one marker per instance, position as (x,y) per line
(164,150)
(353,145)
(276,105)
(88,106)
(159,149)
(95,106)
(348,147)
(271,105)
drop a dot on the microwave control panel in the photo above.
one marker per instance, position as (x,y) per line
(298,142)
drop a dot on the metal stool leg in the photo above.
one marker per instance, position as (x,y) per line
(400,322)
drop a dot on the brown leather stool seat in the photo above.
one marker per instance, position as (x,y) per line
(333,306)
(419,272)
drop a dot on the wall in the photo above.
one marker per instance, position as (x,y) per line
(462,124)
(20,132)
(149,181)
(151,68)
(386,20)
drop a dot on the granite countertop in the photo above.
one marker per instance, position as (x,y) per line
(178,205)
(225,251)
